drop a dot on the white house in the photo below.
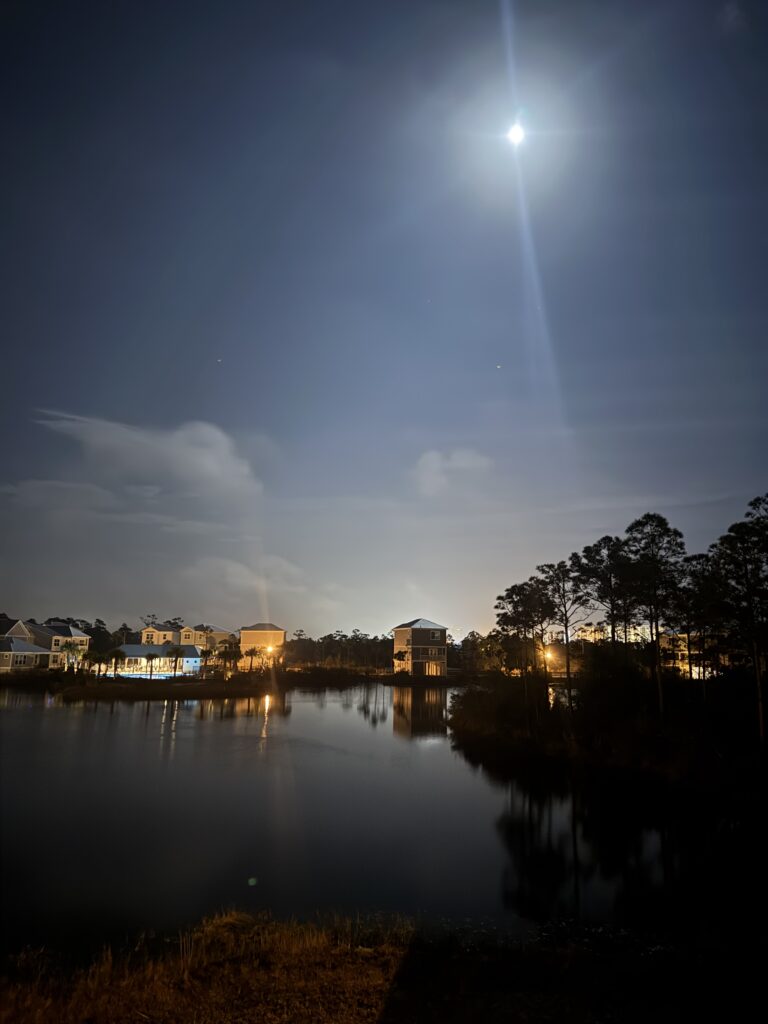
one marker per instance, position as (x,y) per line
(155,660)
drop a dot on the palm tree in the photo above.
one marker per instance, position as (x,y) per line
(116,656)
(205,656)
(252,652)
(175,653)
(71,652)
(229,652)
(89,660)
(151,659)
(95,661)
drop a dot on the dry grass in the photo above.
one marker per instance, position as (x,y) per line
(236,968)
(232,968)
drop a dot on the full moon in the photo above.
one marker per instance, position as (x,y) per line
(516,134)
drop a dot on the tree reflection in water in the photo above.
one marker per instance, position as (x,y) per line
(601,848)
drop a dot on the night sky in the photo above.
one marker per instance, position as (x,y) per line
(292,332)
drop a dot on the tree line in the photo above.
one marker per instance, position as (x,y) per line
(716,601)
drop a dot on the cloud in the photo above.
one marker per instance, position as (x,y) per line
(146,516)
(197,456)
(435,472)
(241,591)
(60,495)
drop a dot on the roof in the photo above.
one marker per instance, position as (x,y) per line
(7,623)
(420,624)
(263,627)
(208,629)
(163,627)
(161,650)
(57,629)
(16,646)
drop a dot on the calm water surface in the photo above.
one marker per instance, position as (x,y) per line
(127,817)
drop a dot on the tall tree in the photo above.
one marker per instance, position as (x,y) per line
(571,605)
(656,550)
(696,608)
(601,572)
(741,556)
(523,610)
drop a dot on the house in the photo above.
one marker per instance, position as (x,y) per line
(264,637)
(204,636)
(421,648)
(37,641)
(158,661)
(18,655)
(161,633)
(67,644)
(16,628)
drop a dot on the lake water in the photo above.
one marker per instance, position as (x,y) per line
(135,816)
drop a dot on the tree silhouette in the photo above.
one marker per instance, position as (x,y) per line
(656,550)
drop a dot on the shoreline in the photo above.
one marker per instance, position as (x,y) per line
(236,967)
(70,687)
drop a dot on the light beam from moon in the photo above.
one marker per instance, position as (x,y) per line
(542,367)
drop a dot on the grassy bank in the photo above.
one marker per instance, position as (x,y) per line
(237,968)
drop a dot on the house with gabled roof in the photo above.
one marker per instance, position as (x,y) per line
(204,635)
(67,644)
(161,633)
(17,655)
(26,645)
(421,648)
(16,628)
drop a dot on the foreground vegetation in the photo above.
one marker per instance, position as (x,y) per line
(239,968)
